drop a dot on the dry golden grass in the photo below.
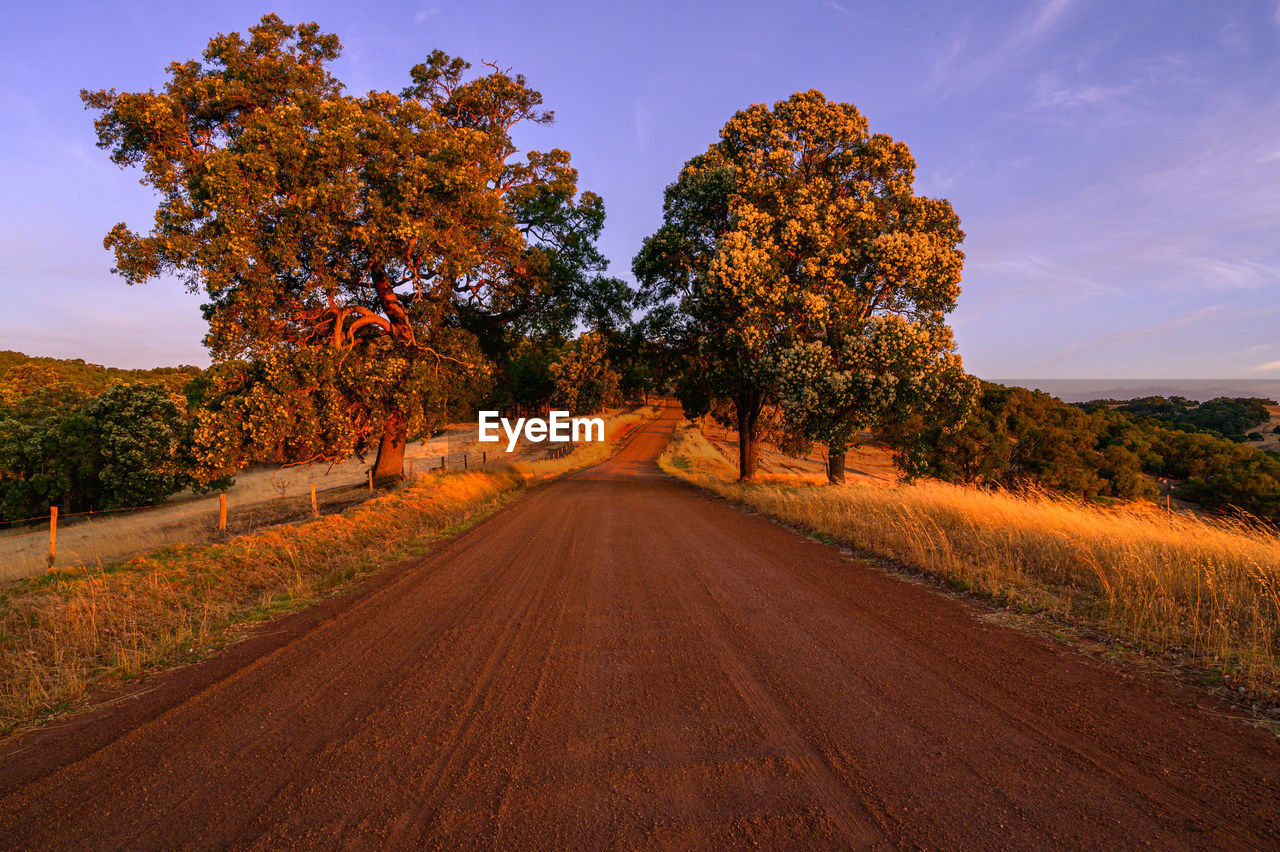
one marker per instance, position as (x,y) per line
(1208,589)
(61,632)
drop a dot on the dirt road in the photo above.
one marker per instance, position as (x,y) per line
(618,661)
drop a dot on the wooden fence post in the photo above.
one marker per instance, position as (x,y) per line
(442,462)
(314,510)
(465,466)
(53,534)
(411,468)
(222,512)
(370,480)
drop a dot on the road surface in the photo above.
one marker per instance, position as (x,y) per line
(617,660)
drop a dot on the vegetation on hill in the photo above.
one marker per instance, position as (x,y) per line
(129,446)
(32,389)
(1225,416)
(82,436)
(1018,437)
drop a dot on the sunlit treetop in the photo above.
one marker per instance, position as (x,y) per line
(797,241)
(312,216)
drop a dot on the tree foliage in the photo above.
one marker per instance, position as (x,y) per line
(585,381)
(799,266)
(352,248)
(126,447)
(1230,417)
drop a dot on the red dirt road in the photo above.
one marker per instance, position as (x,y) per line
(618,661)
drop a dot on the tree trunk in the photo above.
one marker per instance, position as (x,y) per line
(389,466)
(748,440)
(835,465)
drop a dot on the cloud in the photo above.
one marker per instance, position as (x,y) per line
(955,71)
(423,14)
(1044,21)
(640,117)
(1267,367)
(1133,335)
(1051,92)
(831,4)
(1035,274)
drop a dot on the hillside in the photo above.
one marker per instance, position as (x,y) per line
(34,386)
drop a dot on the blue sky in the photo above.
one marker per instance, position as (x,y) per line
(1116,166)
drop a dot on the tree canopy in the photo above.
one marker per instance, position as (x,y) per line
(354,249)
(798,265)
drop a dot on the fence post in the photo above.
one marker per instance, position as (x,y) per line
(53,534)
(442,462)
(314,510)
(370,480)
(484,457)
(411,468)
(465,466)
(222,513)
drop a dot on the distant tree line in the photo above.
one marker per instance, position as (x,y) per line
(1017,437)
(82,436)
(1228,417)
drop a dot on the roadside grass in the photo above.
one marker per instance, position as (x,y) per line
(1206,590)
(63,631)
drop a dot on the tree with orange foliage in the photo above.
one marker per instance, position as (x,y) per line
(801,268)
(352,247)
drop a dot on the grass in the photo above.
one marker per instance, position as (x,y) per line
(63,631)
(1200,588)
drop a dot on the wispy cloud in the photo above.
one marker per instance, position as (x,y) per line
(1049,15)
(424,14)
(959,69)
(843,10)
(1135,335)
(1050,91)
(640,117)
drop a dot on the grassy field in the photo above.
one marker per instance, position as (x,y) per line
(1170,582)
(62,632)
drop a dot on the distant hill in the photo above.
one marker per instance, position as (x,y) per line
(1201,390)
(58,382)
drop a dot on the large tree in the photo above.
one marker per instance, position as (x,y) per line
(354,249)
(798,256)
